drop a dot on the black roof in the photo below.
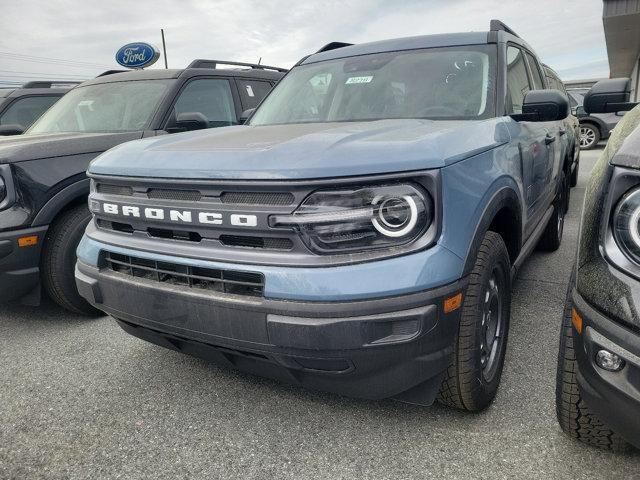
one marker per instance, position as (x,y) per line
(158,74)
(46,87)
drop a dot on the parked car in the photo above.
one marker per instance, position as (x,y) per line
(595,126)
(598,381)
(359,235)
(43,186)
(20,107)
(571,127)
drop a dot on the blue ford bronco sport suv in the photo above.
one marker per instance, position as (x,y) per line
(358,235)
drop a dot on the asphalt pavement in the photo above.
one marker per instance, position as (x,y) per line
(81,399)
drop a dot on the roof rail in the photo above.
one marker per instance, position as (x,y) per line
(111,72)
(48,84)
(202,63)
(497,25)
(333,46)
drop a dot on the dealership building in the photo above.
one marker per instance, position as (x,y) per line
(621,20)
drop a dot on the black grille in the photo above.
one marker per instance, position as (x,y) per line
(171,194)
(114,189)
(174,234)
(256,242)
(117,226)
(217,280)
(257,198)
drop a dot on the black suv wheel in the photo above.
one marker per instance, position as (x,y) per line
(59,260)
(589,136)
(574,416)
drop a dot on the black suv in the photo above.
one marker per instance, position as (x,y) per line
(598,382)
(20,107)
(593,126)
(43,187)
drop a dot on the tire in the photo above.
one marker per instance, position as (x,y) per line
(59,260)
(573,181)
(471,380)
(589,136)
(574,416)
(552,235)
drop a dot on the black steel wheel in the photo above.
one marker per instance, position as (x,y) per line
(472,379)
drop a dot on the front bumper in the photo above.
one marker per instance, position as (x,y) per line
(19,266)
(613,396)
(395,346)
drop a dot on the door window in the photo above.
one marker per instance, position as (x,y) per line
(517,80)
(210,96)
(252,92)
(538,84)
(26,110)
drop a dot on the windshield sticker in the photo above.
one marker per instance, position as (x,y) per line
(366,79)
(250,91)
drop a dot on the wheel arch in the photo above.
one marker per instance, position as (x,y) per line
(503,215)
(596,122)
(69,196)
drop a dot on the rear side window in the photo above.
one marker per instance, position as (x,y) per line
(252,92)
(517,79)
(538,84)
(211,97)
(572,102)
(26,110)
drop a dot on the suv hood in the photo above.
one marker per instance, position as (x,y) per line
(299,151)
(20,148)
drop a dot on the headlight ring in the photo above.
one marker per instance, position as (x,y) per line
(626,224)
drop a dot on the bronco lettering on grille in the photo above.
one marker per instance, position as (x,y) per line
(180,216)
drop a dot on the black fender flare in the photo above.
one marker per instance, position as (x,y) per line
(505,197)
(604,130)
(60,200)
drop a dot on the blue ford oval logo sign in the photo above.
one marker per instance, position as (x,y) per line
(137,55)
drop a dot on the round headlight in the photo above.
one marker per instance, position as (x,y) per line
(396,216)
(626,224)
(361,218)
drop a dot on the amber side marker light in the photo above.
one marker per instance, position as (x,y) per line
(576,319)
(28,241)
(452,303)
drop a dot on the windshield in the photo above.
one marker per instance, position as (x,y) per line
(437,83)
(105,107)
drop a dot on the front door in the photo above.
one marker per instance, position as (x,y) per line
(532,139)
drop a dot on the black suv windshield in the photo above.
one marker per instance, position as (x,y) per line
(104,107)
(436,83)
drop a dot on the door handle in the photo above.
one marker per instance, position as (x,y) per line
(549,139)
(562,131)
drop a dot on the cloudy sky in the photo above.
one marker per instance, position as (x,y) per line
(78,39)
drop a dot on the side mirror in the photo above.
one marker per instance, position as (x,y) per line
(244,116)
(580,111)
(13,129)
(191,121)
(608,96)
(544,106)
